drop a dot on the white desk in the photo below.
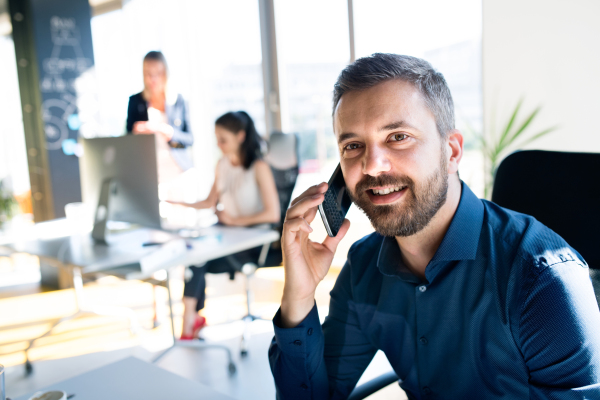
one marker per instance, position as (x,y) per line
(132,378)
(82,255)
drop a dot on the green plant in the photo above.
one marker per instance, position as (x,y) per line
(8,204)
(513,136)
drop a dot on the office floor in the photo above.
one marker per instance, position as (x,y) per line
(90,342)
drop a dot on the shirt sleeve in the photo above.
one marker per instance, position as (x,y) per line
(182,134)
(130,115)
(560,334)
(321,363)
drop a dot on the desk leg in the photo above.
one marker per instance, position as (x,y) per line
(161,355)
(83,309)
(248,318)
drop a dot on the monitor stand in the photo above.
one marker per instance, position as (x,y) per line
(101,217)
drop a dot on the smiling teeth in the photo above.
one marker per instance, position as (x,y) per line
(387,190)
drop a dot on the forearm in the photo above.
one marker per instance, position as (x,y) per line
(263,217)
(294,310)
(183,137)
(296,359)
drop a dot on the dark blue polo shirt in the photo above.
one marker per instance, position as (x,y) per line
(507,311)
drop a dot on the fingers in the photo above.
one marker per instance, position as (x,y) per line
(332,242)
(292,227)
(303,206)
(320,188)
(310,215)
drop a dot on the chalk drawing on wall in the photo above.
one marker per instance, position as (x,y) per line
(60,72)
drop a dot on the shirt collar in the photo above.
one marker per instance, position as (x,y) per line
(459,243)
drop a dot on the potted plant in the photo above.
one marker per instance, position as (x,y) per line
(8,204)
(514,136)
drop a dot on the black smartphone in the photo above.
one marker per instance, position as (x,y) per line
(334,208)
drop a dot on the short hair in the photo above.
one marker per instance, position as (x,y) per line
(369,71)
(156,56)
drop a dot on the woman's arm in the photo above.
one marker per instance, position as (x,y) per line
(268,192)
(183,133)
(210,201)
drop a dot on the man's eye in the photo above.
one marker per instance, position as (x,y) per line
(398,137)
(352,146)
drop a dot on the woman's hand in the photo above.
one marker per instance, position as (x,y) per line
(306,262)
(142,127)
(225,218)
(179,203)
(149,127)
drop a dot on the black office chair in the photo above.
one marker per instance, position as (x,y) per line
(561,191)
(374,385)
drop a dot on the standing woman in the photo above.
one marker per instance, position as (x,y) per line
(155,111)
(245,188)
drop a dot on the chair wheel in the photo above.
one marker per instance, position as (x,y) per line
(243,353)
(28,368)
(232,368)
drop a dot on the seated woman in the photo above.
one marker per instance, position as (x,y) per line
(245,188)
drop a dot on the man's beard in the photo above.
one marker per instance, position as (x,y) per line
(420,202)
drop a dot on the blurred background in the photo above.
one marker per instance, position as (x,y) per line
(68,67)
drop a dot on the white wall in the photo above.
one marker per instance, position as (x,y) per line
(547,51)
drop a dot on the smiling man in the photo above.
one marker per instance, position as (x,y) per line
(466,299)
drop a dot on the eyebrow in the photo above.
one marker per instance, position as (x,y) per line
(346,136)
(396,125)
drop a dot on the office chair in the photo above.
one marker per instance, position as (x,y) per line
(128,272)
(283,157)
(560,190)
(372,386)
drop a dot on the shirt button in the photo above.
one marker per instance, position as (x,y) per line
(423,340)
(422,288)
(310,331)
(298,342)
(426,390)
(303,386)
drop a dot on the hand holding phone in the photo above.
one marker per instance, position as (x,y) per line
(306,262)
(336,204)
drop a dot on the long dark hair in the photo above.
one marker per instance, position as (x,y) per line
(252,146)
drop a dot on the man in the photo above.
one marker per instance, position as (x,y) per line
(467,300)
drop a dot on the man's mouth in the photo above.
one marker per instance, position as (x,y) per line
(384,191)
(386,195)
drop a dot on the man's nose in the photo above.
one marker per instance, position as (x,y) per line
(375,161)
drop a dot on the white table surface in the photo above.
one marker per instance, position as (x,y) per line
(132,378)
(126,248)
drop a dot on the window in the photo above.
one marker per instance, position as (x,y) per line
(313,48)
(447,33)
(14,171)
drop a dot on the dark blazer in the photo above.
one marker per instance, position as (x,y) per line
(177,117)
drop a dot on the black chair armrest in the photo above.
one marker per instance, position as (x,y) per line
(370,387)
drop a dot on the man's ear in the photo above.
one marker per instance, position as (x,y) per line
(454,143)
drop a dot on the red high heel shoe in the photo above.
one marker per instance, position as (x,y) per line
(199,323)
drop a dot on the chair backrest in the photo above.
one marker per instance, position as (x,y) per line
(560,190)
(283,159)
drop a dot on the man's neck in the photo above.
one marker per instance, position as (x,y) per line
(418,249)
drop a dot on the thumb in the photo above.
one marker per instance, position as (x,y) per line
(331,243)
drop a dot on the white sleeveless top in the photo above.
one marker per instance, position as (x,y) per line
(238,189)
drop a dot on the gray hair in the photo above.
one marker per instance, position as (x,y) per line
(369,71)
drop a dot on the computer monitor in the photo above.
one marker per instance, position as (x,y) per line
(119,178)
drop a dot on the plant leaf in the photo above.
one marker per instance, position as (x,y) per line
(523,126)
(509,125)
(538,135)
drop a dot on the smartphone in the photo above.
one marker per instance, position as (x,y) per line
(334,208)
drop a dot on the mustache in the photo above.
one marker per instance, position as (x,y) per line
(368,182)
